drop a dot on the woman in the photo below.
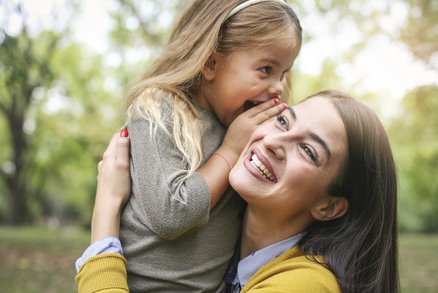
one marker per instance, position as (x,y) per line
(320,184)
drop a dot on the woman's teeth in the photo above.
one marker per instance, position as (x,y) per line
(262,168)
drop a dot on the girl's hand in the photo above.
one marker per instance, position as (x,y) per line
(113,188)
(243,126)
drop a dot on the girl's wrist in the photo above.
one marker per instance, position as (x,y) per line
(228,155)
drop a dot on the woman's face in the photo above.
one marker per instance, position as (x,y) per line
(290,160)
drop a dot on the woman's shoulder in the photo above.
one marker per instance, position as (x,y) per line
(293,271)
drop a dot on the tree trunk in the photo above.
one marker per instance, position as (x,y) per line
(19,213)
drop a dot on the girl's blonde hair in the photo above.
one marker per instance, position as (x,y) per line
(175,76)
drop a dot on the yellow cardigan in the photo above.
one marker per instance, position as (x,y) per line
(290,272)
(104,273)
(293,272)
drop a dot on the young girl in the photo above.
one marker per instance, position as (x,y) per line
(180,226)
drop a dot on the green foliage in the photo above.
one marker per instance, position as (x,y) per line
(68,114)
(76,119)
(77,99)
(306,85)
(421,30)
(415,137)
(25,67)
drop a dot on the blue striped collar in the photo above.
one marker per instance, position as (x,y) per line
(248,266)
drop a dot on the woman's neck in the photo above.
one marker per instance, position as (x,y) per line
(261,230)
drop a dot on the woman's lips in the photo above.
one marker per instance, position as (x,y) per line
(260,168)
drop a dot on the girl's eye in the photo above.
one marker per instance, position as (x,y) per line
(266,69)
(283,121)
(309,152)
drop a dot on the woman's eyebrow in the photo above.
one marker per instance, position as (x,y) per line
(313,135)
(320,141)
(292,112)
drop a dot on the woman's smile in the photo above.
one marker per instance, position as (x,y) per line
(259,166)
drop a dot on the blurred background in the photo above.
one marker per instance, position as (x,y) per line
(65,66)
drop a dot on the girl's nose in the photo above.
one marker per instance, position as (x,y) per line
(276,88)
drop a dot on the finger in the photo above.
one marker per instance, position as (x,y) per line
(122,152)
(263,106)
(124,132)
(111,148)
(267,114)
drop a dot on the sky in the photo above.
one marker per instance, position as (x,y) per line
(385,67)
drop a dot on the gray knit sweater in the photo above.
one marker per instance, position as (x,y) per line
(171,239)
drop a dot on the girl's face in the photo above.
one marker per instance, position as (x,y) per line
(246,75)
(290,161)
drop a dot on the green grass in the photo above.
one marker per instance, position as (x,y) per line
(35,260)
(418,263)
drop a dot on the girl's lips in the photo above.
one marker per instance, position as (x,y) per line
(248,105)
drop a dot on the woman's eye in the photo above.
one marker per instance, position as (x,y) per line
(309,152)
(266,69)
(283,121)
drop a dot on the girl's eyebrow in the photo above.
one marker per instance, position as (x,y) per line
(313,135)
(270,61)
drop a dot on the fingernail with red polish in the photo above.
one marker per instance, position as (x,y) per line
(124,132)
(276,100)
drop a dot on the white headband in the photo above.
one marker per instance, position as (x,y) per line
(245,4)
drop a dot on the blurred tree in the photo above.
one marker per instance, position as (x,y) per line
(76,117)
(415,139)
(59,103)
(58,109)
(420,32)
(25,67)
(139,32)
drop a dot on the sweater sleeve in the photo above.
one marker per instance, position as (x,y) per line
(164,198)
(104,273)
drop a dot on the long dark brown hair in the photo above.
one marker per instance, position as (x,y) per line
(361,247)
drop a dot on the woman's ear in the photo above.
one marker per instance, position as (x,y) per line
(330,208)
(209,70)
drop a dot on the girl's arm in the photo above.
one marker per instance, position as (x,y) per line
(164,199)
(216,170)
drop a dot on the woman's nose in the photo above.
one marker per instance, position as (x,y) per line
(275,144)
